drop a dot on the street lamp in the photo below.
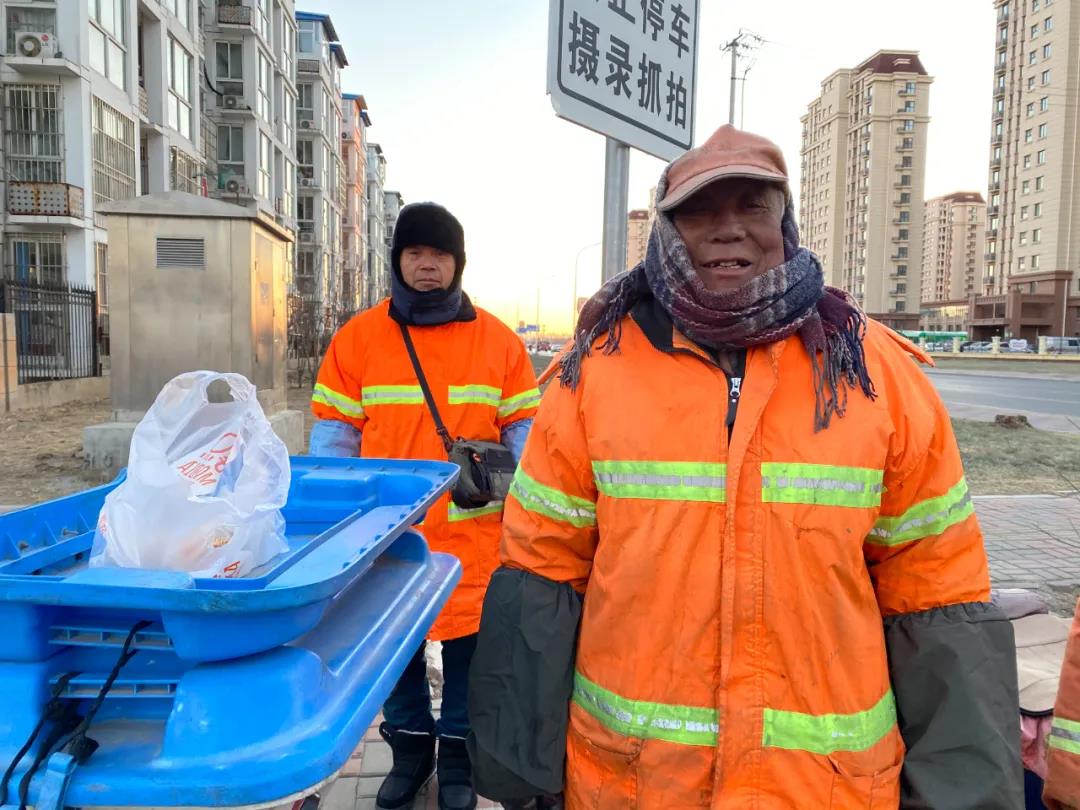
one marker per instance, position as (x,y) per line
(573,303)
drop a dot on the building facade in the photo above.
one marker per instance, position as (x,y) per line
(321,171)
(638,224)
(1031,283)
(355,120)
(864,148)
(100,103)
(378,265)
(954,234)
(392,205)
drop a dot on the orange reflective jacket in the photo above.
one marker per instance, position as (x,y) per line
(481,379)
(732,650)
(1063,751)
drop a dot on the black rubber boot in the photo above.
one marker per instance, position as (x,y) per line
(455,775)
(414,763)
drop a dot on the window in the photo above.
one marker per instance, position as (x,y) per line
(909,143)
(905,179)
(1023,212)
(997,153)
(288,33)
(1023,237)
(1035,262)
(1040,183)
(179,64)
(305,42)
(1044,103)
(1002,57)
(305,212)
(905,198)
(1043,130)
(230,60)
(901,269)
(108,40)
(909,106)
(114,154)
(1025,187)
(1032,57)
(1031,109)
(905,216)
(288,117)
(262,19)
(265,83)
(185,172)
(1037,210)
(1040,157)
(901,252)
(901,306)
(909,125)
(230,153)
(1047,50)
(305,104)
(1021,263)
(266,156)
(1048,24)
(32,133)
(1003,34)
(1034,32)
(1034,5)
(1031,82)
(1029,135)
(1046,77)
(1036,236)
(36,258)
(288,187)
(181,9)
(1027,161)
(999,106)
(909,88)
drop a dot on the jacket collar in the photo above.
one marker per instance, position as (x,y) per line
(655,322)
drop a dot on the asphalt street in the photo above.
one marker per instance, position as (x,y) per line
(1048,403)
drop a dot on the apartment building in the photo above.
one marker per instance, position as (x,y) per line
(864,146)
(1031,283)
(101,102)
(638,225)
(378,260)
(355,120)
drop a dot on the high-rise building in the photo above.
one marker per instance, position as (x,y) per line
(355,293)
(864,149)
(823,179)
(320,60)
(637,237)
(392,205)
(100,103)
(378,266)
(251,103)
(954,234)
(1033,212)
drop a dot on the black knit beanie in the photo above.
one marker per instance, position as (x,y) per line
(432,225)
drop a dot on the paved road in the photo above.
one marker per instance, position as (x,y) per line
(1049,404)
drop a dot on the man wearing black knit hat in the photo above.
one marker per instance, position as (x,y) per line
(370,402)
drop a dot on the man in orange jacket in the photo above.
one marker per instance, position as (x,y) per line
(741,565)
(1063,749)
(369,402)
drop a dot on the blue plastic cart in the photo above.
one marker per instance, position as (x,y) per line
(247,692)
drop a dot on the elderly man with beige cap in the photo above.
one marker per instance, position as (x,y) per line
(740,563)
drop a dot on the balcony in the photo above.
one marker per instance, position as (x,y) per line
(902,167)
(991,210)
(898,239)
(995,185)
(233,14)
(896,257)
(44,200)
(902,130)
(894,273)
(896,292)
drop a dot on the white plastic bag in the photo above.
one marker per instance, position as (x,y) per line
(205,485)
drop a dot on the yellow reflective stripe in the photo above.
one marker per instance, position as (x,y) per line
(519,402)
(1065,735)
(825,733)
(550,502)
(685,725)
(475,395)
(821,484)
(925,519)
(339,402)
(456,513)
(662,480)
(391,395)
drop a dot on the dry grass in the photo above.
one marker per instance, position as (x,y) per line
(1001,461)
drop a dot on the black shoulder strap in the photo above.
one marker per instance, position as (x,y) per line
(440,428)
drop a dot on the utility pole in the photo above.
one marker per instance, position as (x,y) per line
(744,42)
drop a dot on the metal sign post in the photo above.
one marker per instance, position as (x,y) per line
(627,70)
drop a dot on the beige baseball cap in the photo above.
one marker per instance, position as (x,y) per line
(729,152)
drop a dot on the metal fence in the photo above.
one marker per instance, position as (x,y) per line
(55,331)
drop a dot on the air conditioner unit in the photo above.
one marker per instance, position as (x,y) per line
(234,102)
(305,124)
(344,136)
(236,185)
(35,43)
(307,182)
(307,236)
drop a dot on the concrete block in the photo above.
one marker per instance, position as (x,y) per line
(378,759)
(107,446)
(341,795)
(289,427)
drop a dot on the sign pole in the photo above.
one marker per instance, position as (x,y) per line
(616,198)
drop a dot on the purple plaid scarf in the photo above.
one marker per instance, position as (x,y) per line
(789,299)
